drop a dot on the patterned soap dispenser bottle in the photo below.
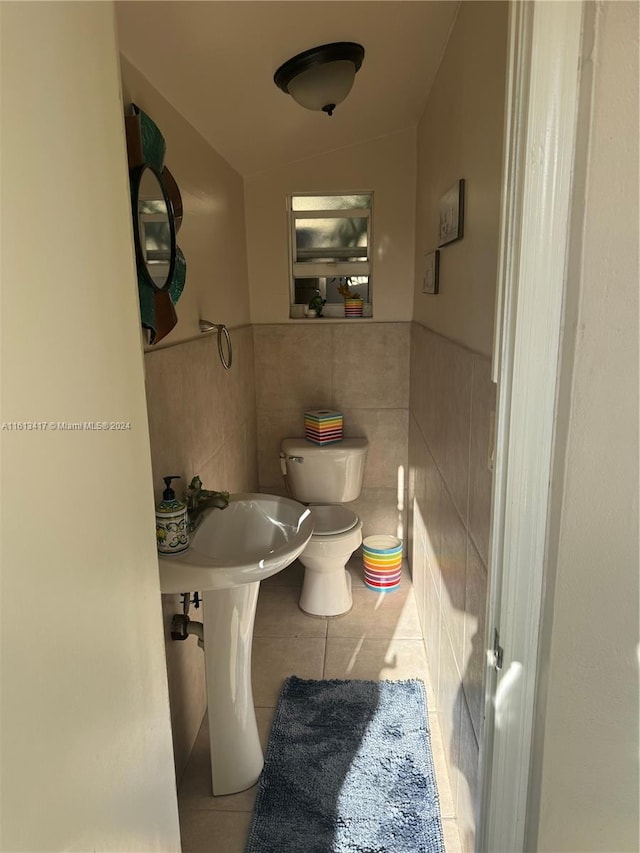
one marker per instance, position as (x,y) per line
(172,525)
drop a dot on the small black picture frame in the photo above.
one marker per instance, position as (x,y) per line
(431,276)
(452,214)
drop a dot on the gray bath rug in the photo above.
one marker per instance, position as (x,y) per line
(348,769)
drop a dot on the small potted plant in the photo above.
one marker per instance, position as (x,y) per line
(315,306)
(353,302)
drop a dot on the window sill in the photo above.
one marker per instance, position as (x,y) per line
(331,320)
(332,311)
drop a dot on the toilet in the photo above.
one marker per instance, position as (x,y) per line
(325,477)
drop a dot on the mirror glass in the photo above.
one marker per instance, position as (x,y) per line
(156,235)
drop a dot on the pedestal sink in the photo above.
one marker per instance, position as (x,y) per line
(231,552)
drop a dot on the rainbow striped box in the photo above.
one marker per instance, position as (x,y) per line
(323,426)
(382,558)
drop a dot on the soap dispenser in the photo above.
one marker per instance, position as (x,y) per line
(172,524)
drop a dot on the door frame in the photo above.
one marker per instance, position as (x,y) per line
(540,137)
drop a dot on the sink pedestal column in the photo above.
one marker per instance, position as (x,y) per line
(236,754)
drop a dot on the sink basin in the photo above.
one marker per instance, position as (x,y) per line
(232,550)
(252,539)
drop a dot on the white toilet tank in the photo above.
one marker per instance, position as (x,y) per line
(329,474)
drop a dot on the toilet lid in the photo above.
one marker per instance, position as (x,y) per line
(332,519)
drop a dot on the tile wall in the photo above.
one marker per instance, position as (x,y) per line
(202,420)
(451,400)
(434,429)
(361,370)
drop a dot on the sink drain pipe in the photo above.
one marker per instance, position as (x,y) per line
(182,627)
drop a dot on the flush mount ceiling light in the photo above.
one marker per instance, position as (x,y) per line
(321,78)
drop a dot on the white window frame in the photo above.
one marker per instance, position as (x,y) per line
(328,269)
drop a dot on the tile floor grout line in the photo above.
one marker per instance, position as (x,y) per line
(324,658)
(198,822)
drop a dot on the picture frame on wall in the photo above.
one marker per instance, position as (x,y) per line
(431,277)
(452,214)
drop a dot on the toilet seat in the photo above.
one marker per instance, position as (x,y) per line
(331,519)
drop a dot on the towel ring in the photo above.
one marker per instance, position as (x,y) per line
(205,327)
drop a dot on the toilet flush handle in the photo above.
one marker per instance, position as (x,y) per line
(283,462)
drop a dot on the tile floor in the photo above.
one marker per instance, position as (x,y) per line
(378,639)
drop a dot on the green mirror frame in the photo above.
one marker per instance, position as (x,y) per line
(146,150)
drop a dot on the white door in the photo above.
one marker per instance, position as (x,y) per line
(543,77)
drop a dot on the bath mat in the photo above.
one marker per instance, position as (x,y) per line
(348,769)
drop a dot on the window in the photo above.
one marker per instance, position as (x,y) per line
(330,241)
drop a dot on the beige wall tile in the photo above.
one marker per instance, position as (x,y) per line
(380,512)
(250,456)
(483,403)
(213,471)
(206,399)
(413,444)
(467,787)
(275,490)
(419,575)
(171,441)
(474,639)
(453,564)
(433,367)
(447,806)
(237,385)
(201,421)
(417,374)
(382,350)
(240,460)
(195,406)
(456,413)
(451,397)
(293,367)
(235,462)
(370,365)
(252,452)
(432,509)
(272,426)
(418,462)
(450,701)
(432,634)
(387,433)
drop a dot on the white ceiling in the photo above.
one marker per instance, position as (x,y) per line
(214,62)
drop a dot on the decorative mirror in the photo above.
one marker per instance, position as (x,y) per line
(155,234)
(156,206)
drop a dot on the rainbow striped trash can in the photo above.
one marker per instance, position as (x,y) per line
(382,556)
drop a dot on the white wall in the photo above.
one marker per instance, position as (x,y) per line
(585,764)
(86,741)
(460,136)
(212,235)
(452,396)
(219,440)
(386,166)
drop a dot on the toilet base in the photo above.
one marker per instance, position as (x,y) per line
(326,593)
